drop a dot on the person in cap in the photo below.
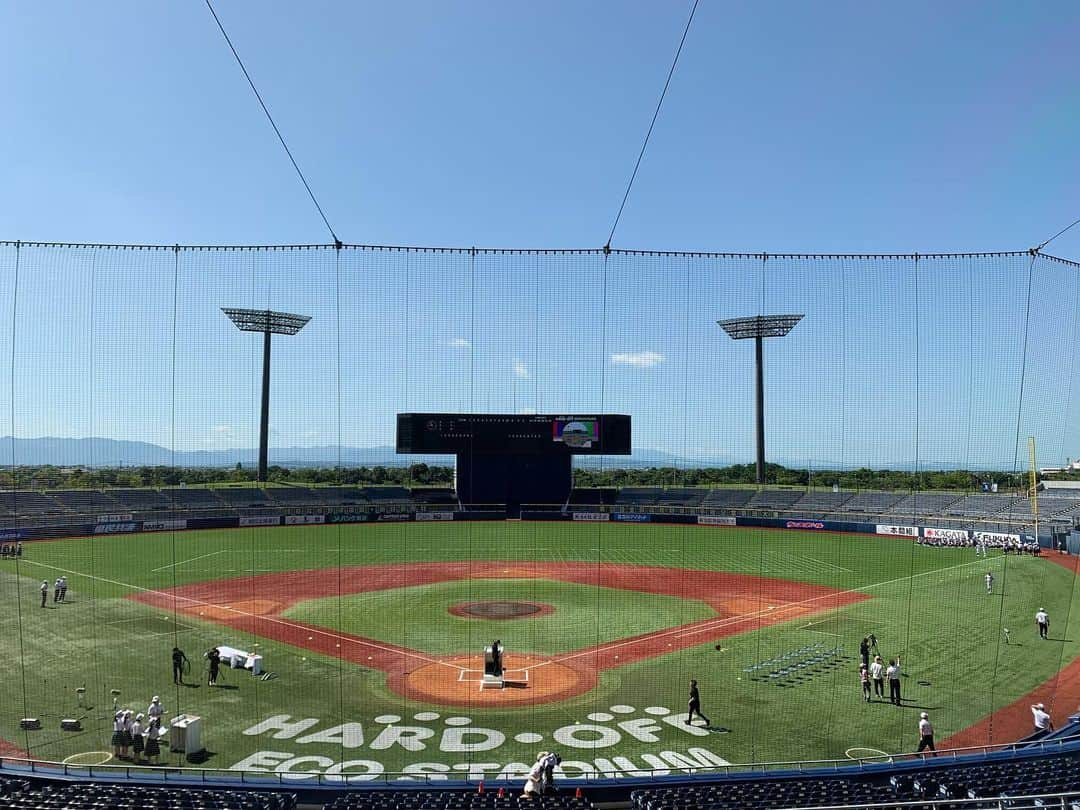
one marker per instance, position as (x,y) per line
(155,709)
(1041,718)
(44,592)
(118,735)
(926,733)
(1042,621)
(137,739)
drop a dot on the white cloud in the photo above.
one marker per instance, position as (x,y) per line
(459,343)
(646,359)
(521,371)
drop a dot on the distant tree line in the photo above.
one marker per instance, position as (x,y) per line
(50,477)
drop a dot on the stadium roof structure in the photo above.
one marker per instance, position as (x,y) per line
(265,320)
(759,326)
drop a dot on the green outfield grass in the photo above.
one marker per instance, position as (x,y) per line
(928,605)
(424,622)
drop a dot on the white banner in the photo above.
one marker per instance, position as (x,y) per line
(434,515)
(164,525)
(594,517)
(997,537)
(267,520)
(115,518)
(296,520)
(715,520)
(898,531)
(114,528)
(945,534)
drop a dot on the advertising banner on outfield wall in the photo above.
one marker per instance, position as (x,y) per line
(115,518)
(593,517)
(996,537)
(632,517)
(945,534)
(434,516)
(262,520)
(350,517)
(715,520)
(7,535)
(897,531)
(301,520)
(164,525)
(115,528)
(394,517)
(813,525)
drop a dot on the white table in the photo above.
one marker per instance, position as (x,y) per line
(185,734)
(238,659)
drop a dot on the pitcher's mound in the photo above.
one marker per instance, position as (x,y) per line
(501,610)
(529,680)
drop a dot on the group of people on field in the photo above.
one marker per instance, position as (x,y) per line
(137,737)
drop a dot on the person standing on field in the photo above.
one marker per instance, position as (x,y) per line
(989,582)
(44,592)
(893,674)
(694,706)
(864,677)
(877,675)
(1042,621)
(926,734)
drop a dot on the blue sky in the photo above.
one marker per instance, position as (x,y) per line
(841,127)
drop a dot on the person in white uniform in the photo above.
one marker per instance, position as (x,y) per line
(1042,621)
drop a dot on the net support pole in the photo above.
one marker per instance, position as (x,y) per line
(264,414)
(760,407)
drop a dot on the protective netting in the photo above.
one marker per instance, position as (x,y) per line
(373,594)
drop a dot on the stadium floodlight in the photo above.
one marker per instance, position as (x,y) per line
(269,323)
(760,327)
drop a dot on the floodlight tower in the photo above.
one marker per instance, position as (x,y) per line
(269,323)
(759,327)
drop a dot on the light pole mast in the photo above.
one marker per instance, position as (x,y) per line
(759,327)
(269,323)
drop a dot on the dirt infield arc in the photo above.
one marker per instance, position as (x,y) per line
(255,605)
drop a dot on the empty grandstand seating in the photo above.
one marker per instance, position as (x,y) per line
(451,800)
(728,498)
(924,503)
(775,499)
(21,793)
(435,497)
(825,501)
(88,501)
(342,496)
(293,496)
(30,503)
(194,499)
(992,780)
(243,496)
(872,503)
(387,494)
(585,496)
(980,505)
(141,500)
(632,496)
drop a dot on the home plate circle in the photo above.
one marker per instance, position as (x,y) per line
(456,681)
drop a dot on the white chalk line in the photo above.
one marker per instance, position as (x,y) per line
(192,559)
(273,620)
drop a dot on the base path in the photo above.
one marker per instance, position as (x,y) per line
(255,605)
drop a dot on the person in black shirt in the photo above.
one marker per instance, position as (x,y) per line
(179,664)
(214,657)
(694,705)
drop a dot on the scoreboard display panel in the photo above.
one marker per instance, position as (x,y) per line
(513,434)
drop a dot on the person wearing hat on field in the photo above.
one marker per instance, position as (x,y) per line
(44,592)
(137,739)
(1041,718)
(155,710)
(926,734)
(1042,620)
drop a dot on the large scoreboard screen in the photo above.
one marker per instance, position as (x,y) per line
(532,434)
